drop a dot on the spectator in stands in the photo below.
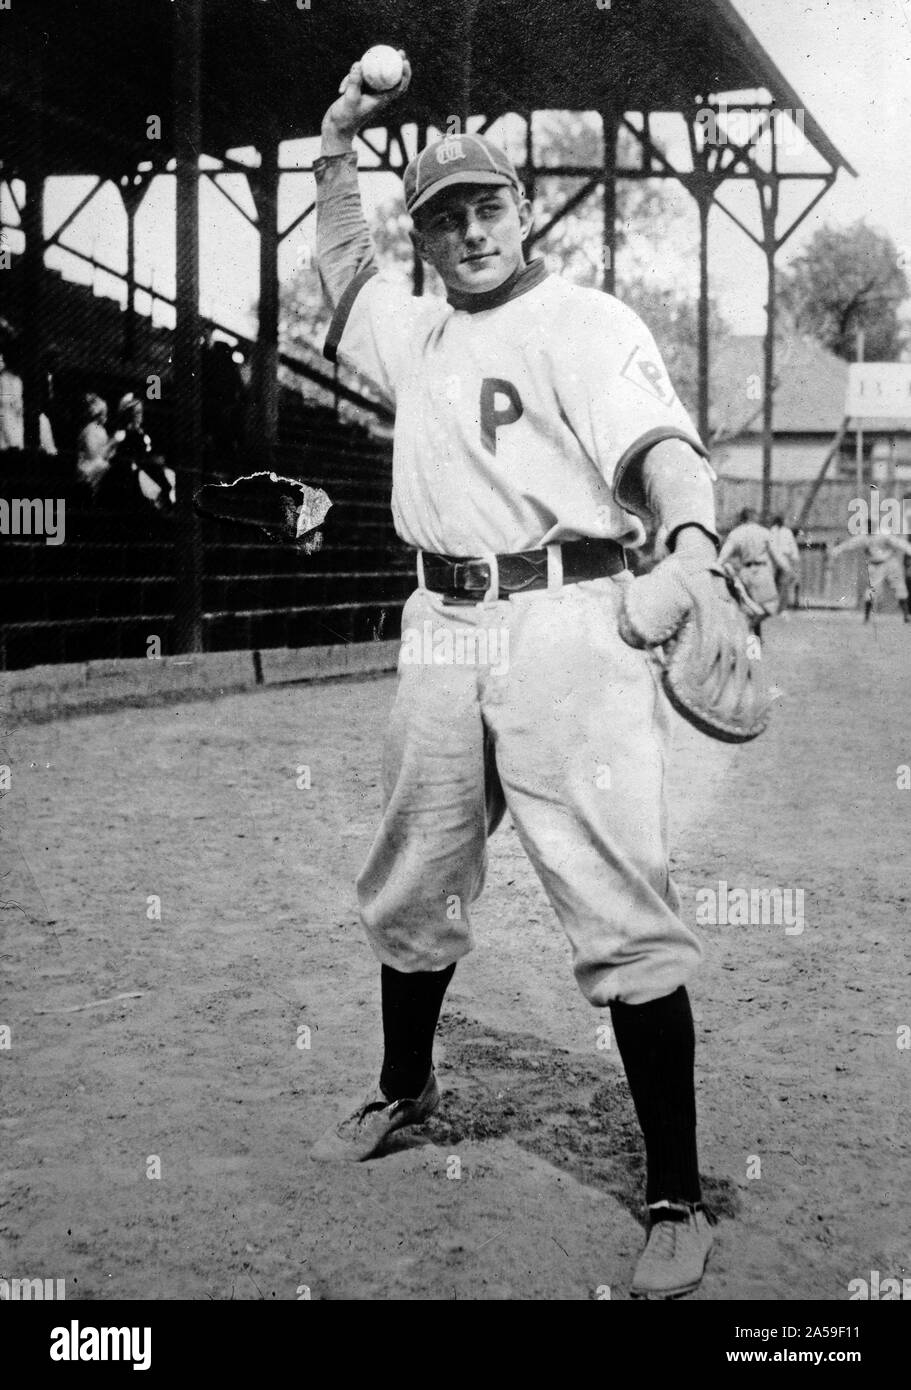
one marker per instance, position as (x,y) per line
(134,461)
(45,435)
(12,430)
(12,416)
(50,403)
(95,446)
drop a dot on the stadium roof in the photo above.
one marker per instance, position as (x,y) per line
(98,69)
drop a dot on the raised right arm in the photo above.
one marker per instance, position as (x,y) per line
(344,246)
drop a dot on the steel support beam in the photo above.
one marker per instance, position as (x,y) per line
(530,172)
(768,202)
(704,207)
(31,215)
(187,50)
(129,316)
(296,221)
(12,193)
(228,196)
(572,202)
(264,185)
(71,216)
(467,10)
(609,126)
(33,319)
(132,194)
(417,265)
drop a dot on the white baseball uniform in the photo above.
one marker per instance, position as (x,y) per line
(784,544)
(750,548)
(884,556)
(515,427)
(787,552)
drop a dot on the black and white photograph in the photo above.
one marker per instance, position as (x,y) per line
(455,662)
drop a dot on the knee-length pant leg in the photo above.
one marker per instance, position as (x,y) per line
(581,730)
(570,727)
(442,798)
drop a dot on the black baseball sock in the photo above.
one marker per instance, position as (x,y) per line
(868,609)
(411,1011)
(657,1043)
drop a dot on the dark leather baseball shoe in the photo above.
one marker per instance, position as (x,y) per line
(362,1134)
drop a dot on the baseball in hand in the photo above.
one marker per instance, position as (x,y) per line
(382,67)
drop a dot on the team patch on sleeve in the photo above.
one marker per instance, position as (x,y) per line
(649,373)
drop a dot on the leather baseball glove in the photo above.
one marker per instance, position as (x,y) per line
(285,509)
(706,625)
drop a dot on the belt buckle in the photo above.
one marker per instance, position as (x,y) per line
(472,575)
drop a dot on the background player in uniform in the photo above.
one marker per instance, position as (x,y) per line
(787,553)
(535,426)
(884,554)
(750,549)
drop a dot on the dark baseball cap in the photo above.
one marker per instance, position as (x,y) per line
(453,160)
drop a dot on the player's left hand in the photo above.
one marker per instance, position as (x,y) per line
(706,624)
(653,612)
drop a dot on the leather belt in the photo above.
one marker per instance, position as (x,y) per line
(468,580)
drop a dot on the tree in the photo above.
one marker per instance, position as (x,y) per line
(303,315)
(576,243)
(845,279)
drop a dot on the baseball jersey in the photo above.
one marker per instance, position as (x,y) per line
(751,544)
(12,429)
(881,550)
(515,423)
(785,545)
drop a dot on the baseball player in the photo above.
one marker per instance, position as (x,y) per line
(787,553)
(884,555)
(535,429)
(134,455)
(752,551)
(94,446)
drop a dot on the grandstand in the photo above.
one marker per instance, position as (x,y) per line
(121,579)
(114,582)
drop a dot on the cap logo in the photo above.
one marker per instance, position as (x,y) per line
(450,149)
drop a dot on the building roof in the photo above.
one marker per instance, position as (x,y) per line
(102,67)
(809,397)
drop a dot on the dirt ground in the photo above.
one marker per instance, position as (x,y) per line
(527,1185)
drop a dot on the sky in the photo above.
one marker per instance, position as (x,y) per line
(848,60)
(850,63)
